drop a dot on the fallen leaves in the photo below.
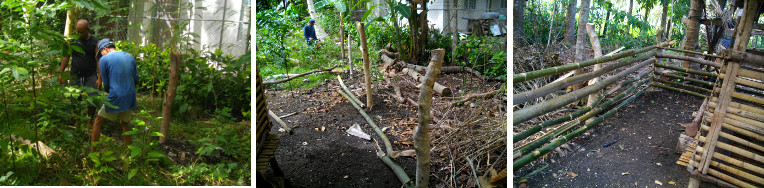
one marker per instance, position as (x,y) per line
(658,182)
(625,173)
(572,174)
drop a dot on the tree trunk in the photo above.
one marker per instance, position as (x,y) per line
(342,38)
(454,31)
(169,96)
(549,37)
(72,15)
(631,6)
(570,32)
(350,55)
(693,28)
(664,15)
(422,131)
(604,28)
(583,17)
(597,53)
(647,14)
(366,73)
(319,30)
(518,20)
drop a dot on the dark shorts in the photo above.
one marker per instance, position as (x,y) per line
(89,81)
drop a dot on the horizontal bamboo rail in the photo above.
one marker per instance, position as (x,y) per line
(549,88)
(692,59)
(565,128)
(517,78)
(693,52)
(517,164)
(739,112)
(741,106)
(746,82)
(533,130)
(530,112)
(737,162)
(702,73)
(751,74)
(743,57)
(742,125)
(732,171)
(736,150)
(737,139)
(738,130)
(678,90)
(682,84)
(685,78)
(741,96)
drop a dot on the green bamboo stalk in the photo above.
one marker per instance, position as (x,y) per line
(388,146)
(530,112)
(517,164)
(686,58)
(549,88)
(685,78)
(703,73)
(533,130)
(679,90)
(541,141)
(692,52)
(682,84)
(348,91)
(517,78)
(397,169)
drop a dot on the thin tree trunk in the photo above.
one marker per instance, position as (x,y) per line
(693,28)
(319,30)
(72,15)
(549,37)
(422,131)
(664,15)
(169,96)
(454,32)
(647,14)
(350,54)
(604,28)
(597,53)
(366,73)
(518,20)
(583,17)
(631,6)
(570,32)
(342,38)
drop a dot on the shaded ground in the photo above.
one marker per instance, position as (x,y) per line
(649,127)
(320,154)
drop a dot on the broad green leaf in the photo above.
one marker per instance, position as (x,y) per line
(131,132)
(403,9)
(155,154)
(77,49)
(106,153)
(155,134)
(134,150)
(109,159)
(366,14)
(131,174)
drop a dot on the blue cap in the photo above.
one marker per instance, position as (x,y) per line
(102,44)
(312,20)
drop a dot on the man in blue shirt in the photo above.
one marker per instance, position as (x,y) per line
(310,32)
(119,75)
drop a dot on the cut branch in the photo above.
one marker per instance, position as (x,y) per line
(472,96)
(278,120)
(422,132)
(440,89)
(296,76)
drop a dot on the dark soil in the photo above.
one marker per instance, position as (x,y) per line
(650,129)
(319,153)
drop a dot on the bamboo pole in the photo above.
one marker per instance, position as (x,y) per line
(517,164)
(742,106)
(366,73)
(743,57)
(397,169)
(348,91)
(692,59)
(746,82)
(726,177)
(530,112)
(737,162)
(685,78)
(702,73)
(741,96)
(735,128)
(595,41)
(683,85)
(743,113)
(678,90)
(533,130)
(526,96)
(517,78)
(692,52)
(388,146)
(751,74)
(298,75)
(736,150)
(565,128)
(740,141)
(422,131)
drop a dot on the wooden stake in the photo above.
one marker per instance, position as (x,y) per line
(597,53)
(366,73)
(169,96)
(422,131)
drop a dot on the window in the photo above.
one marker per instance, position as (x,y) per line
(470,4)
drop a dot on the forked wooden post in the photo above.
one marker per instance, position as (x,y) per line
(597,53)
(728,86)
(422,131)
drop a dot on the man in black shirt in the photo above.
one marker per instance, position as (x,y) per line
(84,71)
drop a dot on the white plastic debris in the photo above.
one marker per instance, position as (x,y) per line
(355,130)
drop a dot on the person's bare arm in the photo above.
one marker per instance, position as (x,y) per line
(98,68)
(62,67)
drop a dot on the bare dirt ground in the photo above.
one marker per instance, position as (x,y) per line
(319,153)
(644,157)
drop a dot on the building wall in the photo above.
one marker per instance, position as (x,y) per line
(216,24)
(438,14)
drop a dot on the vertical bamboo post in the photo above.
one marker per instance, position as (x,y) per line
(422,131)
(169,96)
(342,37)
(350,54)
(597,53)
(365,52)
(745,26)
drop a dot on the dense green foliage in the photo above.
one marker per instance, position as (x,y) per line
(35,107)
